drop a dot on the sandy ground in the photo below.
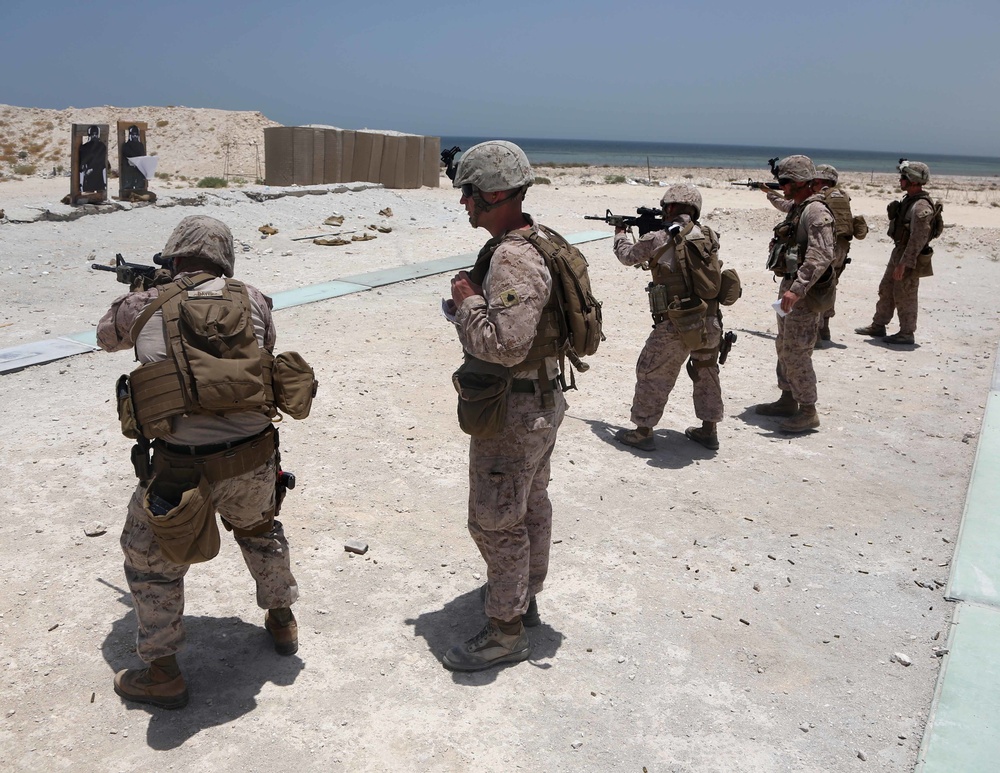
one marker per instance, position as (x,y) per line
(729,611)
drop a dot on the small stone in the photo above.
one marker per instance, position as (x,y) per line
(862,756)
(576,744)
(902,659)
(95,529)
(356,546)
(804,727)
(621,658)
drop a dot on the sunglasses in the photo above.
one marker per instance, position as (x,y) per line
(785,181)
(467,191)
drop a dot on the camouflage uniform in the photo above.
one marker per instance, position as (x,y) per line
(665,353)
(510,515)
(900,296)
(156,583)
(798,328)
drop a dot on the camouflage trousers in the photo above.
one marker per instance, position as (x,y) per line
(660,363)
(794,344)
(899,297)
(157,584)
(510,515)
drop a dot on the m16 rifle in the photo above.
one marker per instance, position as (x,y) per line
(757,185)
(136,275)
(646,219)
(448,159)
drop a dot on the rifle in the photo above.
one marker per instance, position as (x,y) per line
(448,159)
(136,274)
(727,343)
(647,219)
(757,185)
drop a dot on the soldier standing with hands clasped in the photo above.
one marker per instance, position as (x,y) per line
(502,311)
(910,227)
(802,255)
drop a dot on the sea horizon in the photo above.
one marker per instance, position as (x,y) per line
(541,151)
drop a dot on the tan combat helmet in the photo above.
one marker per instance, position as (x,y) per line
(914,171)
(682,193)
(798,169)
(201,236)
(496,165)
(827,173)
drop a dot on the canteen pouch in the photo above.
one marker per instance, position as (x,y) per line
(924,267)
(294,384)
(688,316)
(126,411)
(823,295)
(187,532)
(483,388)
(730,289)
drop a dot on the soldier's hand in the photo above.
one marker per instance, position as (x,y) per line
(899,272)
(463,287)
(161,277)
(788,300)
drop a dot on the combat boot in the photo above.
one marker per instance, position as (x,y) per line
(492,646)
(640,437)
(900,339)
(873,330)
(804,419)
(783,406)
(530,618)
(704,435)
(159,684)
(824,331)
(280,623)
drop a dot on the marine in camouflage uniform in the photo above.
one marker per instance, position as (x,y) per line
(497,311)
(826,182)
(198,244)
(897,292)
(812,232)
(665,352)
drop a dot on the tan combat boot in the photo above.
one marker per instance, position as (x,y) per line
(280,623)
(783,406)
(704,435)
(159,684)
(640,437)
(871,330)
(497,643)
(900,339)
(804,419)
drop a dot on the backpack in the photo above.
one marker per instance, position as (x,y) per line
(581,324)
(937,220)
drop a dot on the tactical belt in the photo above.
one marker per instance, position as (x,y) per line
(527,385)
(217,462)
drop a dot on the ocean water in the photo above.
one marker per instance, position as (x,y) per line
(671,154)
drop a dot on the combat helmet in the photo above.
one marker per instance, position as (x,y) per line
(914,171)
(201,236)
(682,193)
(495,165)
(827,172)
(799,169)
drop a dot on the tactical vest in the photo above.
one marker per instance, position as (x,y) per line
(703,272)
(214,363)
(548,338)
(788,243)
(840,206)
(899,217)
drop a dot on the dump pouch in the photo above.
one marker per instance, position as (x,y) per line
(483,388)
(187,532)
(924,267)
(688,316)
(822,296)
(730,288)
(294,383)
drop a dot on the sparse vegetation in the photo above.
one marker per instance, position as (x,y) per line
(614,179)
(24,169)
(161,123)
(688,176)
(212,182)
(543,181)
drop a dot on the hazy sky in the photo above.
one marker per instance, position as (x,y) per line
(895,76)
